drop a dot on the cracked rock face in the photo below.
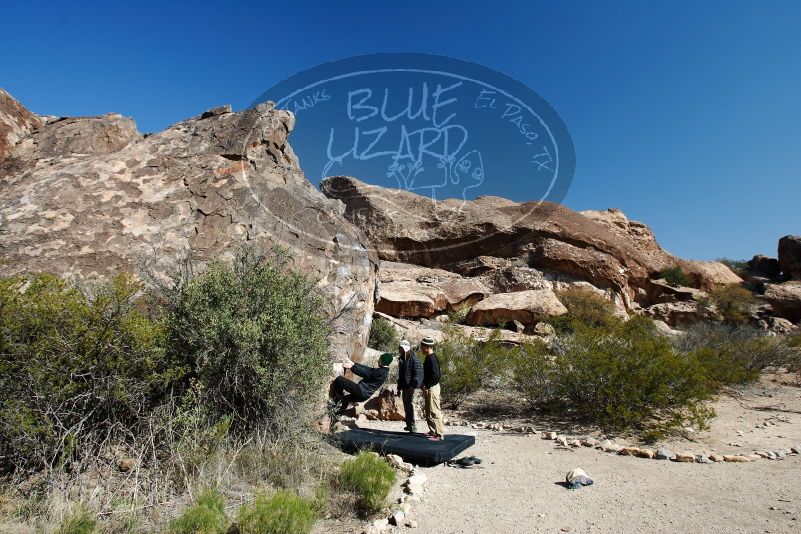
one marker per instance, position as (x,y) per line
(15,123)
(603,248)
(92,196)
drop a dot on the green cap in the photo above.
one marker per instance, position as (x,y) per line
(385,358)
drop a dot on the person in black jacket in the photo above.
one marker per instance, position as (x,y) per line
(410,378)
(372,379)
(431,391)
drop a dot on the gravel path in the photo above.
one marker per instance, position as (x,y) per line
(517,488)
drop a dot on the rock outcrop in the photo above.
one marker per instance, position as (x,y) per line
(790,256)
(527,307)
(92,196)
(16,122)
(602,248)
(785,299)
(413,291)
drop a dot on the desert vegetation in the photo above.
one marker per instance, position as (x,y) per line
(185,401)
(620,375)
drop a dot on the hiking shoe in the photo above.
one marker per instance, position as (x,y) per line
(435,438)
(475,460)
(465,462)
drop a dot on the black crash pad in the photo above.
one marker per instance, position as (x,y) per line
(413,448)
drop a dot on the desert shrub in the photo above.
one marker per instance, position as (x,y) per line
(620,376)
(369,478)
(206,516)
(383,336)
(738,267)
(79,521)
(675,276)
(75,367)
(468,364)
(283,513)
(254,338)
(458,315)
(735,354)
(584,306)
(733,302)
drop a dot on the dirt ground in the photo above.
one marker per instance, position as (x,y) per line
(517,488)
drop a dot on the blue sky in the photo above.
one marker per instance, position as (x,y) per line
(685,115)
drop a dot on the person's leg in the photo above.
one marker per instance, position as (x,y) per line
(429,416)
(436,411)
(408,408)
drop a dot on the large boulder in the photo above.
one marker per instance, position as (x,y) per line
(91,197)
(790,256)
(785,299)
(527,307)
(412,291)
(602,248)
(764,267)
(16,122)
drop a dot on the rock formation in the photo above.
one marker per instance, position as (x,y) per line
(790,256)
(545,242)
(90,196)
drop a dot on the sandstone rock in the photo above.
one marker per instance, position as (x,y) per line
(715,457)
(790,256)
(525,306)
(604,249)
(412,291)
(664,454)
(785,299)
(589,442)
(666,330)
(703,459)
(648,454)
(576,443)
(683,457)
(397,518)
(780,326)
(562,440)
(387,404)
(379,525)
(549,435)
(736,458)
(764,266)
(678,313)
(797,448)
(709,275)
(629,451)
(609,446)
(16,123)
(91,196)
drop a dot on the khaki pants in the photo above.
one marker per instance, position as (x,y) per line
(433,409)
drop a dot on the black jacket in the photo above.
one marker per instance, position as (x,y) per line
(372,378)
(431,372)
(410,372)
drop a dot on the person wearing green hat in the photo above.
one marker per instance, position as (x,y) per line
(346,391)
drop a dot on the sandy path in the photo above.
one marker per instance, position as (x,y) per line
(516,489)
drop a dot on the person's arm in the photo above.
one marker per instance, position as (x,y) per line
(361,370)
(417,371)
(435,372)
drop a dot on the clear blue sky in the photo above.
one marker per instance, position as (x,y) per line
(686,115)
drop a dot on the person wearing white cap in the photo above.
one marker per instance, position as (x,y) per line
(410,378)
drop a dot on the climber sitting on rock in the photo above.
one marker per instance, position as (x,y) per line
(345,391)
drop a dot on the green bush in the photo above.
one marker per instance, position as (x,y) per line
(676,276)
(733,302)
(74,367)
(369,478)
(80,521)
(621,376)
(736,354)
(383,336)
(468,365)
(255,339)
(584,306)
(283,513)
(206,516)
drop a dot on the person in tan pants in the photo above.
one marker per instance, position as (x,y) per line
(431,391)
